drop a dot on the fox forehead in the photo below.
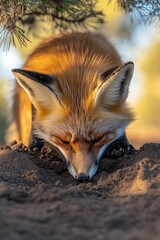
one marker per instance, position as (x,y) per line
(72,55)
(80,127)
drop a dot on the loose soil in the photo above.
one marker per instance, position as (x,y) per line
(39,199)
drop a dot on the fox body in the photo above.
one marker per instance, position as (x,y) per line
(71,92)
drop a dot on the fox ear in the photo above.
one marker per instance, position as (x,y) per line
(114,88)
(41,88)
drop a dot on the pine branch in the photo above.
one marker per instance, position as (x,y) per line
(20,17)
(144,10)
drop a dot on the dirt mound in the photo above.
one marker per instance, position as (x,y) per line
(39,199)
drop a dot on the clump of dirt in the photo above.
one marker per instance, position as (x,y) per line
(40,199)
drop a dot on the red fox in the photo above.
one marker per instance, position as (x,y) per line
(71,92)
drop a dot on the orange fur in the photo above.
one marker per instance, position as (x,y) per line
(86,105)
(72,58)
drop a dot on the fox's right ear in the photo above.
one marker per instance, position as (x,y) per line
(114,88)
(41,88)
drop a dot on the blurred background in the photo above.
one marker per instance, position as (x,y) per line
(135,41)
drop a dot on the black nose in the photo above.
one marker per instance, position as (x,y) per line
(82,177)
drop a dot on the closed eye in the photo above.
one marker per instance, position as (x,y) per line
(59,141)
(64,142)
(98,139)
(103,139)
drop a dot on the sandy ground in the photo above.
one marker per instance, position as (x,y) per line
(39,199)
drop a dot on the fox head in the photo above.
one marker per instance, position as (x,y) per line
(79,118)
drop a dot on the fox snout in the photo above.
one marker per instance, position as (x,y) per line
(83,169)
(83,157)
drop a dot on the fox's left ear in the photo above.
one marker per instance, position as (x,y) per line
(41,88)
(114,87)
